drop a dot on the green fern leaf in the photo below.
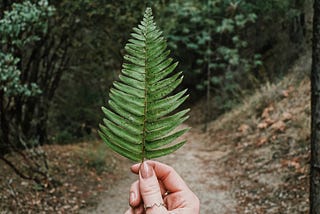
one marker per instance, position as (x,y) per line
(139,124)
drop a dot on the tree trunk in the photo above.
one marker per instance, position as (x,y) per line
(315,114)
(4,127)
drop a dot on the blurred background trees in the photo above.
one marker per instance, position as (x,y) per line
(59,58)
(29,75)
(223,46)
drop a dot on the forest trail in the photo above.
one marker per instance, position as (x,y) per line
(199,168)
(253,159)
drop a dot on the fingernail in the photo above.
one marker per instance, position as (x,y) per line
(132,197)
(146,170)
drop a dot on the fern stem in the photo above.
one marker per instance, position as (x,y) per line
(146,86)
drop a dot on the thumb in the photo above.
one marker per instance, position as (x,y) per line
(150,190)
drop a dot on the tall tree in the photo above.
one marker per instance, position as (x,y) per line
(27,79)
(39,43)
(315,114)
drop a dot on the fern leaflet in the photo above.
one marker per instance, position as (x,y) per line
(139,121)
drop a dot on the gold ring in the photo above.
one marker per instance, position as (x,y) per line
(153,205)
(166,193)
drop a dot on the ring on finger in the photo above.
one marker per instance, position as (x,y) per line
(154,205)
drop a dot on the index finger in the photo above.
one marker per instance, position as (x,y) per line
(166,174)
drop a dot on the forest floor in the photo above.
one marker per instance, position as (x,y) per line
(198,166)
(253,159)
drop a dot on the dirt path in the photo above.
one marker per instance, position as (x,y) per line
(198,167)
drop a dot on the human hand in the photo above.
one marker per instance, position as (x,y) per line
(160,190)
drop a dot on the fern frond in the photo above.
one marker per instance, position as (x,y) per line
(140,121)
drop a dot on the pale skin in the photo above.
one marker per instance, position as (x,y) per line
(162,190)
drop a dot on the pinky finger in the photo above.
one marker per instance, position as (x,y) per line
(139,210)
(129,211)
(136,210)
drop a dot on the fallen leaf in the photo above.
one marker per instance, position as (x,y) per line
(262,141)
(286,116)
(66,207)
(24,183)
(266,111)
(243,128)
(262,125)
(287,92)
(292,163)
(279,126)
(75,208)
(270,121)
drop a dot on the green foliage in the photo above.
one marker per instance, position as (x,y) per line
(63,137)
(274,9)
(19,27)
(10,78)
(98,30)
(97,160)
(23,102)
(210,35)
(23,24)
(216,39)
(9,75)
(140,121)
